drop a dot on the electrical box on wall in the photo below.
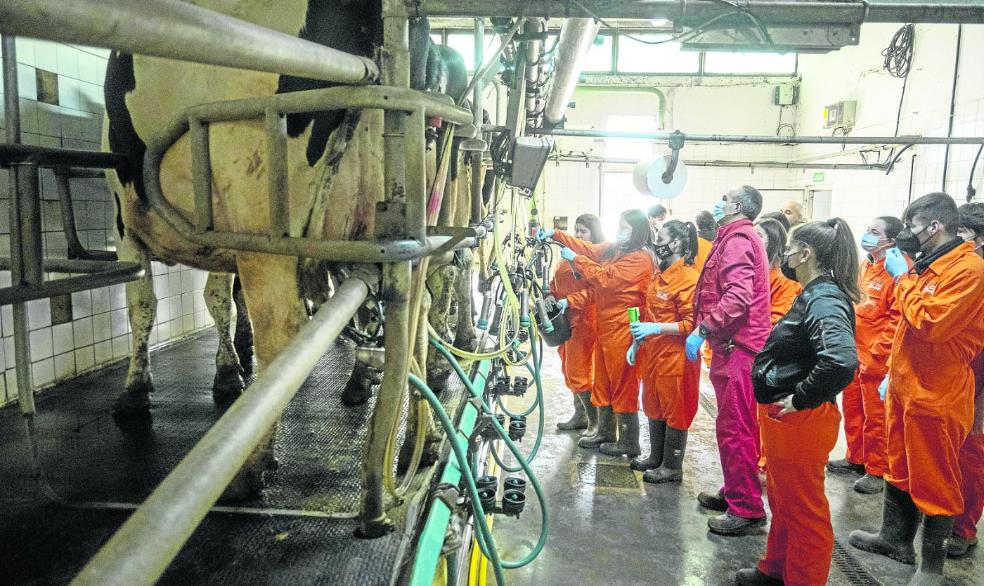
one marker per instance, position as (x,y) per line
(528,157)
(785,94)
(840,114)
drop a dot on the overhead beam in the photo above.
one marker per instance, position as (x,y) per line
(700,11)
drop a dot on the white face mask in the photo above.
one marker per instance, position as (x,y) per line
(623,236)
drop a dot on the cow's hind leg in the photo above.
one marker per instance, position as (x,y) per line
(244,329)
(228,382)
(277,313)
(142,307)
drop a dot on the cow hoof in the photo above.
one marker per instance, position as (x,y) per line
(228,385)
(131,404)
(357,391)
(428,457)
(375,376)
(246,486)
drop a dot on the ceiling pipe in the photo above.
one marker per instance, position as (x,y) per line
(591,159)
(575,40)
(746,138)
(788,12)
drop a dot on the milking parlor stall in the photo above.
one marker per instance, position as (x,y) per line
(274,306)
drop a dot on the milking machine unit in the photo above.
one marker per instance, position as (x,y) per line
(514,324)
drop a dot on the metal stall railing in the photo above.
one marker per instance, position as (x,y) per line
(166,28)
(26,262)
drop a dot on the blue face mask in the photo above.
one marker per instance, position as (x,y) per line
(869,242)
(718,211)
(623,236)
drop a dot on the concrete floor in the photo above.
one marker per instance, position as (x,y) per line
(656,534)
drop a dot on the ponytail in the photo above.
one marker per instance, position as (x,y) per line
(686,233)
(837,253)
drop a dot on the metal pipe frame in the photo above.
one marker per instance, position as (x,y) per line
(12,154)
(409,246)
(700,11)
(140,551)
(21,177)
(736,164)
(178,30)
(741,138)
(107,273)
(75,248)
(575,40)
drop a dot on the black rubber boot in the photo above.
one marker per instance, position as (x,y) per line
(657,432)
(712,501)
(628,437)
(957,547)
(577,421)
(936,530)
(591,412)
(754,577)
(845,466)
(869,484)
(673,451)
(606,430)
(900,520)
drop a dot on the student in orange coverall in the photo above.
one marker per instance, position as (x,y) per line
(930,385)
(618,276)
(669,387)
(964,534)
(577,353)
(782,290)
(877,319)
(810,356)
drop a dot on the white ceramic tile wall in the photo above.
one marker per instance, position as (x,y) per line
(99,332)
(855,73)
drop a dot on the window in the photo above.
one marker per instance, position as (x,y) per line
(639,57)
(619,194)
(745,63)
(464,43)
(630,148)
(599,57)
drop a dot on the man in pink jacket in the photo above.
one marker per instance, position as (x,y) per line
(732,314)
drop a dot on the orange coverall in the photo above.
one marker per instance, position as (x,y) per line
(972,463)
(783,292)
(929,407)
(876,318)
(703,249)
(797,446)
(577,353)
(668,394)
(616,285)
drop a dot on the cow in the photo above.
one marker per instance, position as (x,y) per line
(335,165)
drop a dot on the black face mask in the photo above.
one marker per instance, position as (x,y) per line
(787,271)
(907,242)
(663,251)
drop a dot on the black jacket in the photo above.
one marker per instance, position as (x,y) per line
(811,353)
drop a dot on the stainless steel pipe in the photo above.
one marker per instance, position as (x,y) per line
(140,551)
(183,31)
(743,138)
(576,38)
(700,11)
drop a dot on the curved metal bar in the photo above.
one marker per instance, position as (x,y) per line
(337,98)
(183,31)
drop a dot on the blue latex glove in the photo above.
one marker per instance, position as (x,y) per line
(567,254)
(895,263)
(883,388)
(562,306)
(694,342)
(630,355)
(643,329)
(542,234)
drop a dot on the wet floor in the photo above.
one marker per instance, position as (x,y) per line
(608,527)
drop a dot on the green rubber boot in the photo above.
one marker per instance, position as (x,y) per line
(657,431)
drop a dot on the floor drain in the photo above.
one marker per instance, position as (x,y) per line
(856,574)
(618,477)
